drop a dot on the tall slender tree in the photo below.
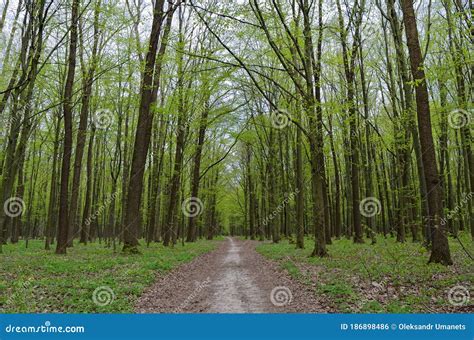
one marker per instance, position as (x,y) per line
(440,250)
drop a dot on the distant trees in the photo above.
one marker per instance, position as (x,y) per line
(271,119)
(19,93)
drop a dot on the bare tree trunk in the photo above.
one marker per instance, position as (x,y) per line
(88,79)
(175,181)
(440,251)
(143,134)
(85,224)
(4,13)
(349,69)
(313,109)
(251,193)
(337,193)
(63,220)
(299,187)
(191,237)
(53,194)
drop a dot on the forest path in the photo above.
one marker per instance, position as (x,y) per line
(231,279)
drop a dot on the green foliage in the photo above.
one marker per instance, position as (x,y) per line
(292,269)
(387,277)
(33,280)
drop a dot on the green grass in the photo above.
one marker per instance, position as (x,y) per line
(385,277)
(35,281)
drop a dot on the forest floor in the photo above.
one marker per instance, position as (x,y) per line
(89,279)
(386,277)
(234,275)
(232,279)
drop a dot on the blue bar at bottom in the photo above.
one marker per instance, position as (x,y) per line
(242,326)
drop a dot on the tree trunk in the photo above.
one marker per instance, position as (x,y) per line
(191,237)
(88,79)
(440,251)
(63,219)
(53,194)
(142,136)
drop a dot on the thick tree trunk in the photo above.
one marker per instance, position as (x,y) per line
(63,220)
(143,134)
(440,251)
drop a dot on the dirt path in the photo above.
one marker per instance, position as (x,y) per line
(232,279)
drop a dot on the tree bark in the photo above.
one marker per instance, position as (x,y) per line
(63,219)
(440,251)
(88,79)
(142,136)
